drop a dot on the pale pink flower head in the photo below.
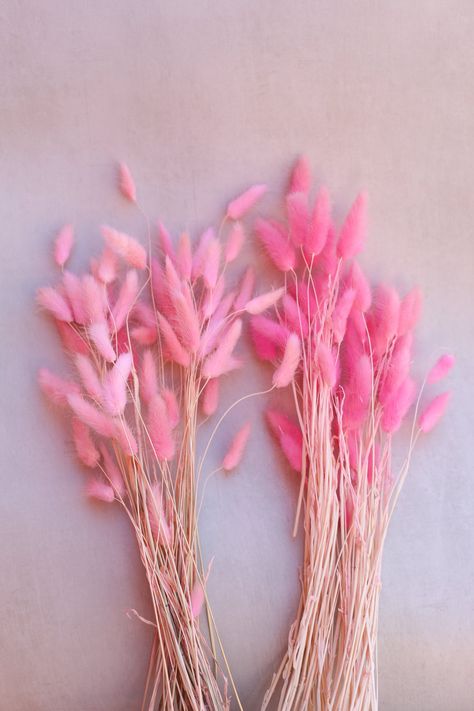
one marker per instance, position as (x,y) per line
(55,388)
(210,397)
(73,289)
(100,337)
(148,377)
(237,448)
(198,597)
(410,310)
(86,450)
(235,242)
(165,242)
(441,368)
(246,287)
(63,245)
(300,181)
(99,490)
(433,412)
(112,471)
(125,246)
(210,269)
(243,203)
(159,429)
(115,385)
(353,231)
(276,243)
(264,301)
(298,217)
(126,183)
(184,257)
(319,223)
(395,409)
(285,372)
(51,300)
(200,252)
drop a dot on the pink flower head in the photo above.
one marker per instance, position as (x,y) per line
(125,247)
(112,471)
(300,181)
(235,242)
(159,429)
(397,406)
(115,385)
(243,203)
(433,412)
(55,388)
(319,224)
(268,337)
(96,489)
(410,310)
(276,243)
(264,301)
(289,436)
(246,287)
(74,293)
(63,245)
(198,597)
(148,377)
(100,337)
(285,372)
(86,450)
(441,368)
(237,448)
(184,257)
(210,397)
(126,183)
(165,241)
(51,300)
(298,217)
(353,231)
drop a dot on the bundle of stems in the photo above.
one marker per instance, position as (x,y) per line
(149,337)
(344,349)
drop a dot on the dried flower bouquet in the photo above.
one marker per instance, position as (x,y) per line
(149,338)
(345,351)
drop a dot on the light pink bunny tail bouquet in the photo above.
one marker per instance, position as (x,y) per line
(345,350)
(149,334)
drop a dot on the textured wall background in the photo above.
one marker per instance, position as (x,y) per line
(202,98)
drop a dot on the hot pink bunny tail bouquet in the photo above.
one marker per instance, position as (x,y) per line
(344,350)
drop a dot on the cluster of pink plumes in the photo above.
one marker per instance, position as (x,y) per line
(150,336)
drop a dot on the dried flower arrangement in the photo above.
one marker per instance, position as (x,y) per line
(149,338)
(345,350)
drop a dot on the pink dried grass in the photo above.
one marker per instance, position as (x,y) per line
(149,342)
(264,301)
(85,447)
(433,412)
(236,449)
(285,372)
(63,245)
(352,389)
(243,203)
(126,183)
(125,247)
(441,368)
